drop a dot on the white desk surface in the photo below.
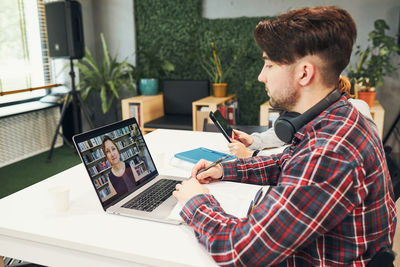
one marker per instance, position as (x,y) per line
(87,236)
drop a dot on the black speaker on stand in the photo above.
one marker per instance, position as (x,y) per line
(65,40)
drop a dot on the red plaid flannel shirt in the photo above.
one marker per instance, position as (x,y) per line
(332,203)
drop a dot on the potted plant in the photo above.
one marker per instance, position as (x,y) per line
(374,62)
(213,67)
(152,66)
(107,78)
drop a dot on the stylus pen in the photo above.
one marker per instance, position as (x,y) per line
(254,202)
(218,161)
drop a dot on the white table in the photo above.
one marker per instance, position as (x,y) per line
(87,236)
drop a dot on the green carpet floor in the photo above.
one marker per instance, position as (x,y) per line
(24,173)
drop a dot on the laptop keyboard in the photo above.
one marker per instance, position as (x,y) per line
(153,196)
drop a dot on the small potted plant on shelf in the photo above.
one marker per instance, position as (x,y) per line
(107,78)
(374,63)
(151,67)
(213,67)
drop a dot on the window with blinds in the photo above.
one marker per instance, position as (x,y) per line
(24,56)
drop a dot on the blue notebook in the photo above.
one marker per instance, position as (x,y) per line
(195,155)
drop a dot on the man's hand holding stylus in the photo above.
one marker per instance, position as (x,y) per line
(207,176)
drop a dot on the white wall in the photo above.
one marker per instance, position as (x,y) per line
(88,24)
(115,19)
(364,12)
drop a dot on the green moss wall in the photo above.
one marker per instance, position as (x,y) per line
(182,35)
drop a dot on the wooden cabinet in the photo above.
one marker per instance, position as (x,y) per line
(212,103)
(149,108)
(377,113)
(264,110)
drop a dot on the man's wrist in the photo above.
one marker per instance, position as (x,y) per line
(222,168)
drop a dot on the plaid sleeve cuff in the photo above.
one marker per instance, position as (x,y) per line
(189,210)
(229,171)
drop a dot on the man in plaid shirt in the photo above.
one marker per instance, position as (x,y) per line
(332,199)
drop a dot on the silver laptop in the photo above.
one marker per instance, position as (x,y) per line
(123,172)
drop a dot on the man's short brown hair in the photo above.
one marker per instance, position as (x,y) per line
(326,31)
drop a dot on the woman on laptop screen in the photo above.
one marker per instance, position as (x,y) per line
(121,175)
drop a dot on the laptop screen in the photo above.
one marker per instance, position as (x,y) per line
(117,160)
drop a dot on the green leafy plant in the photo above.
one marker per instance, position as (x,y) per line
(186,39)
(213,67)
(375,61)
(107,78)
(152,65)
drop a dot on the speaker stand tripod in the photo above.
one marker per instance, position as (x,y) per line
(76,99)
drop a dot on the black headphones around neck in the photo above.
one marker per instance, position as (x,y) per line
(289,123)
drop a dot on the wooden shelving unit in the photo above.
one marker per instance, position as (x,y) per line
(264,110)
(378,115)
(150,108)
(210,101)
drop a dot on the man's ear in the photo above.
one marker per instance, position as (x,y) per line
(305,73)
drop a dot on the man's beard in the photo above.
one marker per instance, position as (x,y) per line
(287,100)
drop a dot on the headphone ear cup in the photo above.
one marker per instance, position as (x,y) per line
(289,122)
(284,129)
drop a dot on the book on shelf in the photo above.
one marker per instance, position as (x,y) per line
(136,159)
(97,154)
(202,114)
(222,109)
(141,169)
(101,180)
(96,141)
(236,106)
(86,145)
(91,156)
(233,112)
(87,158)
(121,144)
(273,115)
(230,111)
(230,117)
(99,167)
(127,154)
(104,192)
(118,133)
(134,111)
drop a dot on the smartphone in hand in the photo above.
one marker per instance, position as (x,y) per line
(221,124)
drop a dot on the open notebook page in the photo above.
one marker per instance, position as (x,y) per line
(234,198)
